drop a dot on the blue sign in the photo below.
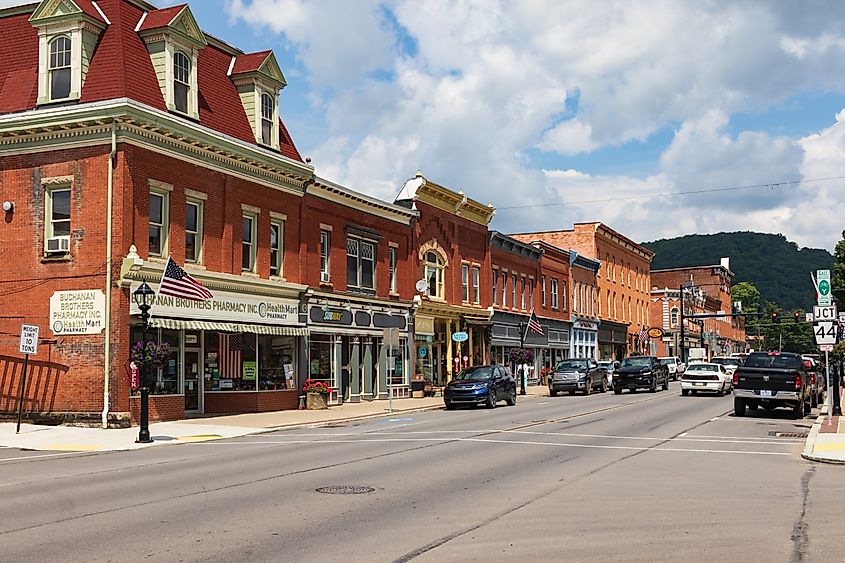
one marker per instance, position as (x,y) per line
(422,352)
(460,337)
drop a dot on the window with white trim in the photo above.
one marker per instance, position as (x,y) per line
(495,286)
(193,231)
(543,290)
(673,317)
(248,246)
(268,107)
(181,81)
(563,296)
(392,258)
(58,220)
(159,204)
(522,293)
(277,248)
(514,279)
(360,264)
(325,249)
(464,283)
(476,275)
(531,294)
(576,306)
(504,289)
(554,293)
(59,68)
(433,266)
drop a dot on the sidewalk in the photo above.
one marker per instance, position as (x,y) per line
(80,439)
(826,441)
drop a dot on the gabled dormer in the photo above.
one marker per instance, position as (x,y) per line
(68,31)
(174,40)
(259,80)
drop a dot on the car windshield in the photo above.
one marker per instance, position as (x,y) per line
(636,362)
(572,364)
(481,372)
(773,361)
(702,367)
(667,361)
(606,364)
(725,361)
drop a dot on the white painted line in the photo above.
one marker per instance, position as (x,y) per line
(25,458)
(714,418)
(682,434)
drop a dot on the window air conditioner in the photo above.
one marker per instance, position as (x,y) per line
(58,245)
(324,276)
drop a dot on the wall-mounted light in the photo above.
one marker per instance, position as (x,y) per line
(9,206)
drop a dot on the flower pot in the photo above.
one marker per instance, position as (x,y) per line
(314,401)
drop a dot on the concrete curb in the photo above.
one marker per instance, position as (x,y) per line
(813,436)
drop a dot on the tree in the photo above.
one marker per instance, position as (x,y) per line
(748,295)
(837,275)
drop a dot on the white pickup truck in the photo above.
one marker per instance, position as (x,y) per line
(675,365)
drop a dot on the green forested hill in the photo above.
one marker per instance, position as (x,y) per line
(777,267)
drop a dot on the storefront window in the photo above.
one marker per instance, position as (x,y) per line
(163,380)
(276,362)
(230,361)
(321,360)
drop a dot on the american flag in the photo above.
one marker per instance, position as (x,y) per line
(643,334)
(229,355)
(534,324)
(177,282)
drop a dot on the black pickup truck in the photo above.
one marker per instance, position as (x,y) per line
(772,379)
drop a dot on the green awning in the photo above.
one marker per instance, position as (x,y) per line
(182,324)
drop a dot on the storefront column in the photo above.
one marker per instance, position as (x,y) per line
(338,368)
(355,371)
(382,371)
(368,368)
(471,354)
(484,351)
(448,345)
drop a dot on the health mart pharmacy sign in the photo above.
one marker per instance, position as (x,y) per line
(78,312)
(225,307)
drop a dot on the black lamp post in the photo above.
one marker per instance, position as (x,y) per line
(143,297)
(522,328)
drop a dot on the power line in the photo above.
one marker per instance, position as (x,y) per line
(771,185)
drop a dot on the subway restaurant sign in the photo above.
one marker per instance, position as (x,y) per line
(78,312)
(224,307)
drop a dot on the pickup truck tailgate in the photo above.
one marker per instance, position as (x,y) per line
(766,378)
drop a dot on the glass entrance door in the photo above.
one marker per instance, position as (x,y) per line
(193,369)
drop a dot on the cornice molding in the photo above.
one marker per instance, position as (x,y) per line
(348,198)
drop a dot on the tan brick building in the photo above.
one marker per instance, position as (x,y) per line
(623,281)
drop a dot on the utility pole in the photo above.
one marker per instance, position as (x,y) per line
(681,344)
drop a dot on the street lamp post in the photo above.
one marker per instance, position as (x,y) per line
(143,297)
(522,329)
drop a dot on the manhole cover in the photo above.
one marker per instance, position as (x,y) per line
(345,490)
(789,434)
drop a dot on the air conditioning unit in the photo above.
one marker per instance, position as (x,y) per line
(58,245)
(324,276)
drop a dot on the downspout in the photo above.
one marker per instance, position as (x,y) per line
(107,350)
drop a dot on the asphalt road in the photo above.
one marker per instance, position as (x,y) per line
(643,477)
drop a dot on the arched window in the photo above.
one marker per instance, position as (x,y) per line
(181,81)
(673,317)
(267,107)
(59,68)
(433,266)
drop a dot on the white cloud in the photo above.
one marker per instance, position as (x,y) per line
(469,91)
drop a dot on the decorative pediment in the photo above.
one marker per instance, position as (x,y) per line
(177,20)
(261,67)
(53,11)
(185,24)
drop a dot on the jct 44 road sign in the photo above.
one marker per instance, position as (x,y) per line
(825,332)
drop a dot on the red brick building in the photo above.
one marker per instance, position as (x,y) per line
(706,290)
(127,136)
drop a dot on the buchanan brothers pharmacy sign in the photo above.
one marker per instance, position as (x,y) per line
(78,312)
(225,307)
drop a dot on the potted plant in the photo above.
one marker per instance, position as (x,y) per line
(149,355)
(316,394)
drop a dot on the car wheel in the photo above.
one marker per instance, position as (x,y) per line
(739,406)
(814,400)
(666,383)
(684,392)
(693,391)
(617,391)
(572,392)
(450,406)
(512,397)
(604,386)
(552,393)
(589,387)
(752,405)
(492,399)
(653,388)
(633,390)
(798,411)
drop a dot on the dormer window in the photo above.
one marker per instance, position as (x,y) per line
(181,81)
(68,33)
(59,69)
(267,110)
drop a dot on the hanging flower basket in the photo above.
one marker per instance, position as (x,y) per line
(521,356)
(150,353)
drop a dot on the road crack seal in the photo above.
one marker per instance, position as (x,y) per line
(800,539)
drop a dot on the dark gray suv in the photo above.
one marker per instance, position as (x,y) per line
(641,372)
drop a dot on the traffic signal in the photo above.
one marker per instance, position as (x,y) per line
(796,316)
(775,317)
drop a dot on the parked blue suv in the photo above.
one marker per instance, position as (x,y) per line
(481,385)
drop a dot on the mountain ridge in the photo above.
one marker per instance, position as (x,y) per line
(776,266)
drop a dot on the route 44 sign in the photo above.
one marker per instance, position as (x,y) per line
(825,332)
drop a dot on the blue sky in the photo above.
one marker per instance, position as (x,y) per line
(570,110)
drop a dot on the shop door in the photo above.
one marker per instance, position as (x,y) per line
(193,369)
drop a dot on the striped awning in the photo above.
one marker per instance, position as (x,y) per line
(182,324)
